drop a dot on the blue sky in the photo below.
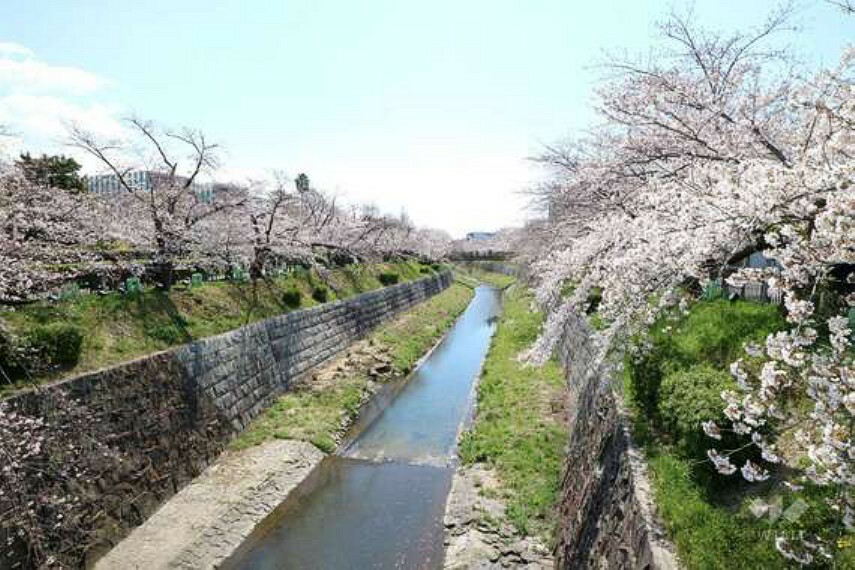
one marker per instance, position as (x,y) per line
(428,106)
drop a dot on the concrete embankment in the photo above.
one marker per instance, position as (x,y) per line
(607,516)
(206,522)
(131,436)
(202,525)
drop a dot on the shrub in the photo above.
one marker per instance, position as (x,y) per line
(292,298)
(646,371)
(58,344)
(686,399)
(388,278)
(320,294)
(10,356)
(714,333)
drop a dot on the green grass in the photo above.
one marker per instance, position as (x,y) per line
(117,327)
(713,333)
(707,515)
(711,536)
(306,415)
(706,536)
(315,415)
(519,428)
(474,273)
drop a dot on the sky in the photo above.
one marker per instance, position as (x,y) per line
(429,107)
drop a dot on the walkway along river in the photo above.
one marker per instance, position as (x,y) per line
(379,502)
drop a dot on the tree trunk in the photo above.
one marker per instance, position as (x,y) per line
(163,273)
(259,260)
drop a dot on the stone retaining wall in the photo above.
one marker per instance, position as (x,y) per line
(606,510)
(119,442)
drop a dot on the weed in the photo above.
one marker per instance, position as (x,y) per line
(516,429)
(315,415)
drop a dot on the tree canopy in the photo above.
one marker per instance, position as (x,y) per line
(56,171)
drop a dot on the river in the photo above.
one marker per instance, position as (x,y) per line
(379,501)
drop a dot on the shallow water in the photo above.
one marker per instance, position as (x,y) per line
(421,424)
(379,504)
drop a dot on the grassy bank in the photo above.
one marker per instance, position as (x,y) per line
(315,415)
(474,275)
(94,331)
(520,426)
(672,386)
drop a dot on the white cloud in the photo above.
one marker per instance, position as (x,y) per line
(38,100)
(33,76)
(21,72)
(45,116)
(11,48)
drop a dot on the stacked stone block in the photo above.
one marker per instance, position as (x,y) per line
(606,512)
(165,417)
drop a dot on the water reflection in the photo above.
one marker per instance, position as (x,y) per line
(356,514)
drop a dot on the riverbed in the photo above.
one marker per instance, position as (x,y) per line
(379,501)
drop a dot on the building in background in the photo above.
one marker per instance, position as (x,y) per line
(480,236)
(145,180)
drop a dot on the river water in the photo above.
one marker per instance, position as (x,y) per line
(379,503)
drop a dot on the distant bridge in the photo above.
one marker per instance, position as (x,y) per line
(481,255)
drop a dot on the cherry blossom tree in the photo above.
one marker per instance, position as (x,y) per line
(429,243)
(361,231)
(47,235)
(501,243)
(283,218)
(280,220)
(713,149)
(166,208)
